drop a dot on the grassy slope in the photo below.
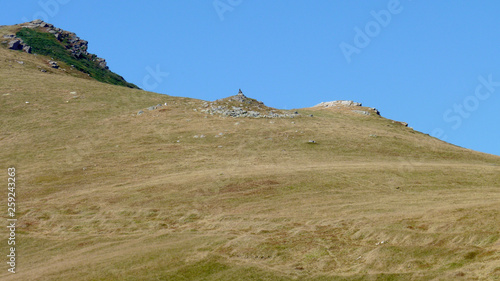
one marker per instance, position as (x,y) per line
(105,194)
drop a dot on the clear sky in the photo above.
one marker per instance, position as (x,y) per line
(433,64)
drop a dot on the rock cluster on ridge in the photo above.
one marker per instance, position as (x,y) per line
(339,103)
(76,46)
(240,105)
(347,104)
(61,49)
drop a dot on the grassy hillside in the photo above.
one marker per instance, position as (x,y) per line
(106,194)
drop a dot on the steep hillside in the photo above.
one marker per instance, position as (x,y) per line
(185,191)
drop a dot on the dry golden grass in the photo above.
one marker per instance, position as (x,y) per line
(105,194)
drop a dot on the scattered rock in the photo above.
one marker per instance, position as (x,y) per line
(400,123)
(53,64)
(338,103)
(27,49)
(155,106)
(361,112)
(375,110)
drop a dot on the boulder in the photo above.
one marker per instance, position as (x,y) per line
(27,49)
(101,62)
(53,64)
(15,44)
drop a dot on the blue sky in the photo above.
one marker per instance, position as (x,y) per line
(435,65)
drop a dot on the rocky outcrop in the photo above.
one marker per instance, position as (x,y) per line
(338,103)
(404,124)
(76,46)
(356,107)
(16,44)
(241,106)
